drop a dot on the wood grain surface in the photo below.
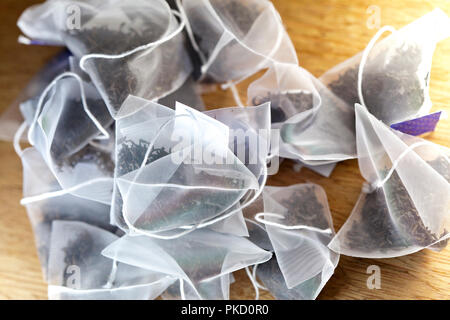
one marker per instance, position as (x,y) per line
(324,32)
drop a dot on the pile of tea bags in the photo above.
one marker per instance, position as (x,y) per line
(134,191)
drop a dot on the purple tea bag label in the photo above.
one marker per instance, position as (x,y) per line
(33,42)
(418,126)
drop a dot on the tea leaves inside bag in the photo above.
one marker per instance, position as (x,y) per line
(388,82)
(281,102)
(271,276)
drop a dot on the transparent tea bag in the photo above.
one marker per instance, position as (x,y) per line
(11,119)
(295,224)
(62,131)
(272,278)
(42,210)
(77,270)
(395,76)
(311,123)
(126,48)
(181,161)
(195,259)
(299,226)
(235,39)
(150,73)
(404,205)
(62,119)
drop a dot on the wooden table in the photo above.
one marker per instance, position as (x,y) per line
(325,32)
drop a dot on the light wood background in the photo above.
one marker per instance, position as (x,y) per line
(324,32)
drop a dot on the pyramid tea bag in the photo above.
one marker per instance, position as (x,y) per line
(39,180)
(62,132)
(195,259)
(295,224)
(311,123)
(77,270)
(395,77)
(404,207)
(181,161)
(151,73)
(272,278)
(11,119)
(63,122)
(126,48)
(236,38)
(299,226)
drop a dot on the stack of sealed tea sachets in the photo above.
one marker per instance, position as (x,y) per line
(135,191)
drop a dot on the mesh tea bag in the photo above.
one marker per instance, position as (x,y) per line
(237,38)
(272,278)
(405,205)
(295,223)
(11,119)
(181,161)
(61,123)
(126,48)
(195,259)
(62,132)
(395,71)
(42,210)
(77,270)
(312,124)
(299,226)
